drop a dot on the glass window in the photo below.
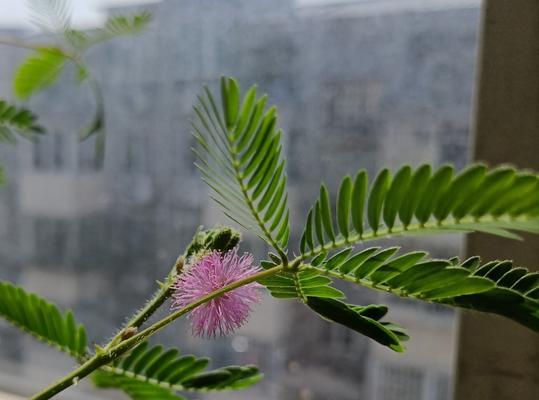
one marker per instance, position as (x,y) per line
(358,84)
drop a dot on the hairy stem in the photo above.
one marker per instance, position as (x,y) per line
(105,357)
(131,342)
(152,305)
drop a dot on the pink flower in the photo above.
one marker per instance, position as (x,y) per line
(228,312)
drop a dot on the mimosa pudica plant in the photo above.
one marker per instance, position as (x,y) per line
(240,158)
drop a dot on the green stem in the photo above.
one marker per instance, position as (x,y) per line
(131,342)
(105,357)
(259,221)
(414,229)
(157,301)
(151,306)
(244,190)
(98,123)
(349,278)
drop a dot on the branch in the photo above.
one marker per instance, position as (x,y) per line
(38,47)
(152,305)
(105,357)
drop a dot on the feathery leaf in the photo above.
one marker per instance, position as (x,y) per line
(497,201)
(115,26)
(168,370)
(495,287)
(362,319)
(134,388)
(17,121)
(299,285)
(240,159)
(40,70)
(41,319)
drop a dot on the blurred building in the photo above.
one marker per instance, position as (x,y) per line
(357,84)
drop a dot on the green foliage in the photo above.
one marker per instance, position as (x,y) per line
(316,291)
(496,201)
(54,16)
(17,121)
(127,25)
(240,160)
(134,388)
(44,66)
(96,127)
(153,370)
(362,319)
(495,287)
(115,26)
(300,285)
(41,319)
(119,25)
(40,70)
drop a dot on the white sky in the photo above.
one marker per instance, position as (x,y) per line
(13,13)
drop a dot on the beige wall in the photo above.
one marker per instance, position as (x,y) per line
(499,359)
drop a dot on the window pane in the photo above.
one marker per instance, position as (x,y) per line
(358,84)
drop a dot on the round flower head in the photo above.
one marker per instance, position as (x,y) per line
(228,312)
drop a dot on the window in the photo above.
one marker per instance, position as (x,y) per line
(358,84)
(410,383)
(50,153)
(400,383)
(51,241)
